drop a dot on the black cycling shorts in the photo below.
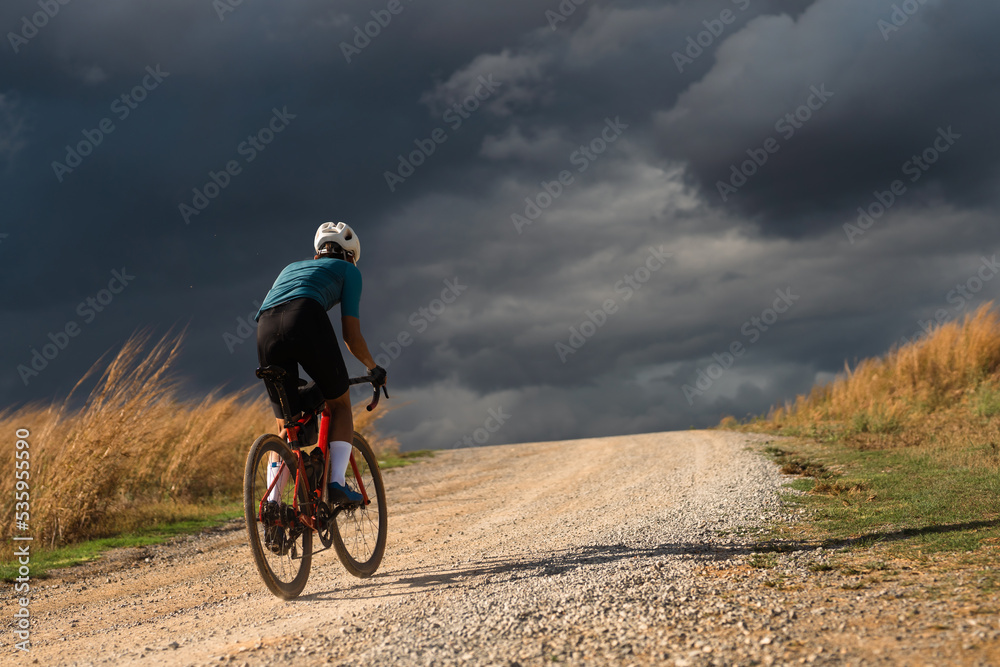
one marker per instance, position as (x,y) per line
(299,332)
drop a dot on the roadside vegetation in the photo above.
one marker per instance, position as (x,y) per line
(137,463)
(902,451)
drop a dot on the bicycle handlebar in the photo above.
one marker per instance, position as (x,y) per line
(274,376)
(375,396)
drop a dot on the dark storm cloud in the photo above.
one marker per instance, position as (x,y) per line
(120,206)
(12,129)
(524,286)
(886,91)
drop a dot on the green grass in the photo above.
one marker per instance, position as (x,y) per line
(986,401)
(898,460)
(905,499)
(876,422)
(401,459)
(43,560)
(763,560)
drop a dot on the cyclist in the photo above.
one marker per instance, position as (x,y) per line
(293,328)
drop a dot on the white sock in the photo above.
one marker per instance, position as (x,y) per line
(272,470)
(340,456)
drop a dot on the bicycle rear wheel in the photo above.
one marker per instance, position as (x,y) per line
(359,533)
(281,544)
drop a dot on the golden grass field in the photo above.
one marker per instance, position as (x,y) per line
(940,392)
(135,453)
(900,456)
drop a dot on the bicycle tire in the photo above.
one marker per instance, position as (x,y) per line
(359,534)
(284,574)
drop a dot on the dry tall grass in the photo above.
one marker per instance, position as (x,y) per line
(942,390)
(135,452)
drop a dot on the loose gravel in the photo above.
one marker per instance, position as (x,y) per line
(638,550)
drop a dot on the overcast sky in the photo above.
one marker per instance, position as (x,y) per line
(642,215)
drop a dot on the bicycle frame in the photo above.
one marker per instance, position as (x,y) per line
(307,515)
(283,534)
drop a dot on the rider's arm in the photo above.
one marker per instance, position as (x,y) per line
(350,322)
(355,341)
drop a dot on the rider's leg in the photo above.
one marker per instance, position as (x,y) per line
(274,464)
(342,419)
(273,350)
(341,434)
(317,350)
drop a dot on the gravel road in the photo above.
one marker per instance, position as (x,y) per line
(629,550)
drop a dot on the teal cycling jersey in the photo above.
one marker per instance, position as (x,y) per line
(326,280)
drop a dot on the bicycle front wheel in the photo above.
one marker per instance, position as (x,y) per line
(359,533)
(281,544)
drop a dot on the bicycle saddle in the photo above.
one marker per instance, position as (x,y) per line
(310,398)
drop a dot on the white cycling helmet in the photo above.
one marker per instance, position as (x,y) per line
(341,234)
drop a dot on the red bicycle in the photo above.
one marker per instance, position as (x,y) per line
(282,516)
